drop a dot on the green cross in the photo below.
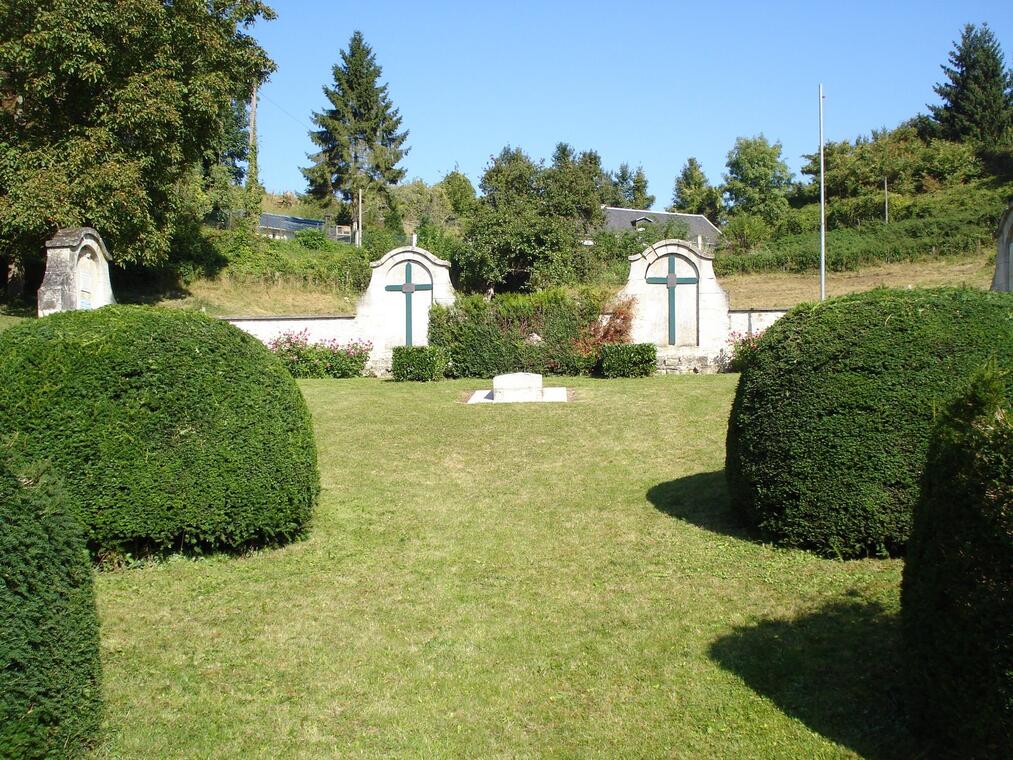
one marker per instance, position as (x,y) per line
(670,282)
(408,287)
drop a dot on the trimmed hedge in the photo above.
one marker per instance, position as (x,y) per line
(629,359)
(171,430)
(957,593)
(421,363)
(830,425)
(50,696)
(543,332)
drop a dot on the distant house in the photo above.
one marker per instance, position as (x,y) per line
(634,220)
(280,227)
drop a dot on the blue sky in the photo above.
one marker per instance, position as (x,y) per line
(646,83)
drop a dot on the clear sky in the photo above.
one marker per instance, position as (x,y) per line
(649,83)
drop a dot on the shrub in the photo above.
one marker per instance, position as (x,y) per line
(171,430)
(326,358)
(743,349)
(50,698)
(830,424)
(957,607)
(312,238)
(550,332)
(422,363)
(629,359)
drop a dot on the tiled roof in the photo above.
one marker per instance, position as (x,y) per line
(627,219)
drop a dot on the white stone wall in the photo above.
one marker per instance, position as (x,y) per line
(749,321)
(381,315)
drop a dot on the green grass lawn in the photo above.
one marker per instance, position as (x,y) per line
(512,581)
(8,321)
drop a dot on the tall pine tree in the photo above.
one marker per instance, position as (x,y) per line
(978,94)
(360,145)
(694,194)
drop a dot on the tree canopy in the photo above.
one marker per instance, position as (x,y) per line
(978,92)
(108,110)
(758,179)
(360,145)
(694,194)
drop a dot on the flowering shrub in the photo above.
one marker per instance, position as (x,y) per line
(743,347)
(326,358)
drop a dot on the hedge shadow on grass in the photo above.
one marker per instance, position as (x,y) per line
(838,670)
(702,500)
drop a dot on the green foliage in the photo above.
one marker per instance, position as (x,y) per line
(419,363)
(628,359)
(460,194)
(758,179)
(956,603)
(694,194)
(952,222)
(321,359)
(50,697)
(978,96)
(542,332)
(357,135)
(742,349)
(376,242)
(831,420)
(630,188)
(743,233)
(172,430)
(118,109)
(308,259)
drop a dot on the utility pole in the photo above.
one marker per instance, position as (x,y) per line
(358,226)
(886,202)
(823,211)
(251,168)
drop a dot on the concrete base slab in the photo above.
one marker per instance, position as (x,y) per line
(551,395)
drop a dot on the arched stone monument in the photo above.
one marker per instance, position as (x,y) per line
(394,310)
(77,272)
(678,301)
(1003,279)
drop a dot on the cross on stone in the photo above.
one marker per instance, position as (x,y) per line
(408,287)
(670,282)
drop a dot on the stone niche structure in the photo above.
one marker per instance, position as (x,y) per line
(679,303)
(77,272)
(1003,279)
(394,310)
(680,307)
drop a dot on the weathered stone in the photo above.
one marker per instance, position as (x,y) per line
(77,272)
(517,386)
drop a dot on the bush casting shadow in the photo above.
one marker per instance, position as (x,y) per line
(700,499)
(838,670)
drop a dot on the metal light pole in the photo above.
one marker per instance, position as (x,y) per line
(823,212)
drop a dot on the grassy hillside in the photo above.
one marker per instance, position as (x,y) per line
(956,222)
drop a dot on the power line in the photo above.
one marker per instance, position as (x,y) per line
(281,108)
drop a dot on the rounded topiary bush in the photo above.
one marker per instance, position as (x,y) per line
(50,700)
(171,430)
(957,594)
(830,425)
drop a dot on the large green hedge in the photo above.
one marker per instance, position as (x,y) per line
(830,424)
(171,430)
(50,698)
(539,332)
(957,596)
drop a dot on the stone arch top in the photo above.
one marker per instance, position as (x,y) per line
(408,251)
(655,251)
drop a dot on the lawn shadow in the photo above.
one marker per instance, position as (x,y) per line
(700,499)
(838,670)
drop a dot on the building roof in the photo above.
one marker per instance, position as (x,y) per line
(289,223)
(627,220)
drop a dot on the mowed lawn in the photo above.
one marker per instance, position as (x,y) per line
(558,580)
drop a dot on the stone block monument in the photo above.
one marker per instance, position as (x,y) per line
(77,272)
(678,301)
(1003,279)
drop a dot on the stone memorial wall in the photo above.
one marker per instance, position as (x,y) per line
(77,272)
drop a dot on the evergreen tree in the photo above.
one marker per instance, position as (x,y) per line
(630,188)
(360,145)
(978,94)
(694,194)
